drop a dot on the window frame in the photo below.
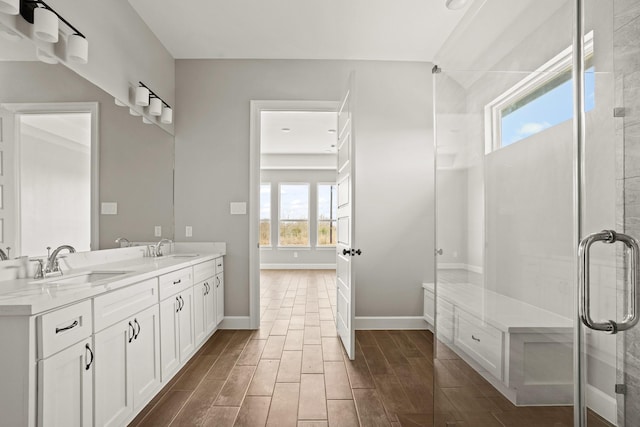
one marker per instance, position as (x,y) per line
(542,76)
(270,245)
(335,220)
(308,245)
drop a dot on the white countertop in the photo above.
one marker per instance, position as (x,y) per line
(502,312)
(27,297)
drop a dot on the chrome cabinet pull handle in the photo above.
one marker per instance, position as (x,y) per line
(178,308)
(66,328)
(631,318)
(474,338)
(177,282)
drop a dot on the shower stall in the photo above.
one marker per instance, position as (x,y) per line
(537,134)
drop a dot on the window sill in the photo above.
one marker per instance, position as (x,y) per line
(325,248)
(294,248)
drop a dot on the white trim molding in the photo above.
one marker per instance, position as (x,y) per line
(298,266)
(601,403)
(235,322)
(390,322)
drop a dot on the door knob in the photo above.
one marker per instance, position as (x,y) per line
(346,252)
(356,252)
(439,251)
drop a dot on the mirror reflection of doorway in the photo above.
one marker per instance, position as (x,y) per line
(54,181)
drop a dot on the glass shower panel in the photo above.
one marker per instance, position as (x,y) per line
(504,286)
(610,377)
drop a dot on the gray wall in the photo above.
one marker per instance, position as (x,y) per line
(394,214)
(136,160)
(311,255)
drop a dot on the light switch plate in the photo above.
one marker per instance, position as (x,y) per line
(109,208)
(158,231)
(238,208)
(188,231)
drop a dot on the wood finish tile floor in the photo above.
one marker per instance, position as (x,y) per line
(293,372)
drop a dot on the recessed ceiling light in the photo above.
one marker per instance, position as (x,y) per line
(285,130)
(331,131)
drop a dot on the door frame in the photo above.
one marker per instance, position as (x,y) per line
(258,107)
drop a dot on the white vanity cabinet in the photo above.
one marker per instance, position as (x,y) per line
(95,355)
(219,284)
(204,311)
(176,320)
(65,366)
(127,368)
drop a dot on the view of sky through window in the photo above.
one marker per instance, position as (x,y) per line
(294,201)
(544,111)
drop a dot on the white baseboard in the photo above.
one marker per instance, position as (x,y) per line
(602,404)
(235,322)
(404,322)
(297,266)
(460,266)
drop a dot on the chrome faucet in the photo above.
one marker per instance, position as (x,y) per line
(158,247)
(53,268)
(120,240)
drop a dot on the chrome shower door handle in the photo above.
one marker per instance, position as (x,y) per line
(631,318)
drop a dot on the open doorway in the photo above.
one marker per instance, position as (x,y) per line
(297,221)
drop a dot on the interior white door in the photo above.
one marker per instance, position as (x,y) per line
(345,245)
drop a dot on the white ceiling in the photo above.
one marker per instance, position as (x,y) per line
(400,30)
(308,132)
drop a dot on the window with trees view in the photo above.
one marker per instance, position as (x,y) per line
(265,214)
(294,215)
(327,213)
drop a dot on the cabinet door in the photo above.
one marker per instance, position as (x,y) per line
(210,306)
(219,298)
(169,344)
(113,387)
(145,361)
(199,311)
(65,390)
(186,332)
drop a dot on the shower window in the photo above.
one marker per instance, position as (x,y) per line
(541,100)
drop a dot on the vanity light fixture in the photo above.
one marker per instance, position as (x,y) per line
(10,7)
(167,115)
(46,24)
(157,106)
(142,96)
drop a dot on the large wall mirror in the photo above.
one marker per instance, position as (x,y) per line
(75,168)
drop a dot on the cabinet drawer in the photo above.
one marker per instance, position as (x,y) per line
(219,265)
(480,341)
(176,281)
(118,305)
(204,270)
(61,328)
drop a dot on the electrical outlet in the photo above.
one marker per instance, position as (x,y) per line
(188,231)
(158,231)
(295,254)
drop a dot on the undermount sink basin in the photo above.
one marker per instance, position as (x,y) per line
(184,255)
(88,277)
